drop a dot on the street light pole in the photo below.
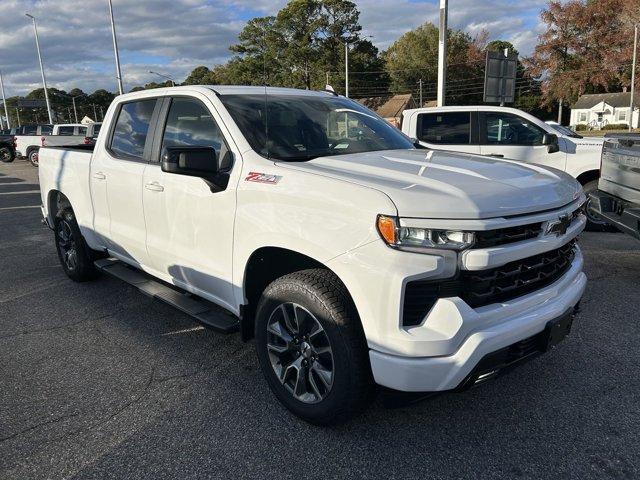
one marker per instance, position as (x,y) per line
(115,49)
(164,76)
(442,52)
(420,83)
(18,115)
(44,80)
(346,69)
(4,101)
(75,112)
(633,76)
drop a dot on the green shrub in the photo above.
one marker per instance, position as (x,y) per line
(581,127)
(616,126)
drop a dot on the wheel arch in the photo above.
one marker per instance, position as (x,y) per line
(265,265)
(56,201)
(588,176)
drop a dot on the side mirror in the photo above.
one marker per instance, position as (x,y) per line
(551,141)
(200,162)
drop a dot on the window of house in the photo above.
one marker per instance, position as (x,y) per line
(132,125)
(582,116)
(622,115)
(448,128)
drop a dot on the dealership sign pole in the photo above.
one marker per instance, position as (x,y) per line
(442,52)
(115,49)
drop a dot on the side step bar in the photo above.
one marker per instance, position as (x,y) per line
(202,310)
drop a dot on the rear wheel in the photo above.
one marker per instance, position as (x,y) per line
(595,222)
(6,155)
(33,157)
(74,254)
(311,347)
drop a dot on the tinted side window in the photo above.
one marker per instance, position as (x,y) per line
(65,130)
(46,129)
(190,123)
(96,129)
(82,130)
(445,128)
(507,129)
(30,130)
(132,125)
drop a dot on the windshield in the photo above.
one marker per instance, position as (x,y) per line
(564,130)
(302,127)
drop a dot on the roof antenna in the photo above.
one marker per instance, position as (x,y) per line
(266,101)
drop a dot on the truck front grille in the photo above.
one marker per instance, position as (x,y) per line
(485,287)
(502,236)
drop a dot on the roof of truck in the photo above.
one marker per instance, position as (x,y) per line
(235,90)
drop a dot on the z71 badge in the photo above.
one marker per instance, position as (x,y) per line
(262,178)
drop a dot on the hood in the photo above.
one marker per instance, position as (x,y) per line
(442,184)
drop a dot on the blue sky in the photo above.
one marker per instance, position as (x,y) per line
(174,36)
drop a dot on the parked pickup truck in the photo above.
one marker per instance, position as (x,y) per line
(618,197)
(510,133)
(7,150)
(28,145)
(306,221)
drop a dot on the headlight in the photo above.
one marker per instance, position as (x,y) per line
(415,238)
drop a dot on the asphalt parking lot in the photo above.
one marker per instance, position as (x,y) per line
(99,381)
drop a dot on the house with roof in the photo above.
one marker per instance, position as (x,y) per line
(390,108)
(600,109)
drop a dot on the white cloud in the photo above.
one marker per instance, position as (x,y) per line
(174,36)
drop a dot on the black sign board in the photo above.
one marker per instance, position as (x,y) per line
(500,77)
(23,103)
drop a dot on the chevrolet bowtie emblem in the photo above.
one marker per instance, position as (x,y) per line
(560,226)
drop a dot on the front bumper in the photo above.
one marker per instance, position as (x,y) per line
(623,215)
(478,333)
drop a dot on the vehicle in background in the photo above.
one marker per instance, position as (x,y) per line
(92,133)
(7,150)
(65,134)
(509,133)
(305,220)
(618,197)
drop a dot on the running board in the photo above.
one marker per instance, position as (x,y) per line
(202,310)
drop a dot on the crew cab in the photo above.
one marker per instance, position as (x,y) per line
(29,143)
(618,197)
(305,221)
(504,132)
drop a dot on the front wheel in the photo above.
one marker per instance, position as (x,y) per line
(33,157)
(311,347)
(74,254)
(6,155)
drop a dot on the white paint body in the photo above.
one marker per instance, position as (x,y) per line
(326,209)
(24,143)
(577,156)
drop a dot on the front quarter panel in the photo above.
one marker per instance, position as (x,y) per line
(311,214)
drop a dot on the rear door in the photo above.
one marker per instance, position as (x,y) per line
(510,136)
(189,227)
(448,131)
(116,180)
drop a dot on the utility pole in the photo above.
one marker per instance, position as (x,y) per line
(4,101)
(327,79)
(346,69)
(442,52)
(18,115)
(70,119)
(560,111)
(633,76)
(95,115)
(115,49)
(420,83)
(102,113)
(44,80)
(75,112)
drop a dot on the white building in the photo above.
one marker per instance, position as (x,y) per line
(600,109)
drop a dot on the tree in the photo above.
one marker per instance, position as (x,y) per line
(586,48)
(201,76)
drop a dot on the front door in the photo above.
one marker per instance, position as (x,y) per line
(509,136)
(189,227)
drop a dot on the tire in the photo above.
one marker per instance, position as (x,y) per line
(6,155)
(594,222)
(32,156)
(74,254)
(336,384)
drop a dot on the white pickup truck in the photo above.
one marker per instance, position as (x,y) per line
(306,221)
(59,135)
(510,133)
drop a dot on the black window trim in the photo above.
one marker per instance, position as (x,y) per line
(163,117)
(482,127)
(148,140)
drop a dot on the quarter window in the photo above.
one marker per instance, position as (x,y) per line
(507,129)
(190,123)
(65,130)
(448,128)
(132,126)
